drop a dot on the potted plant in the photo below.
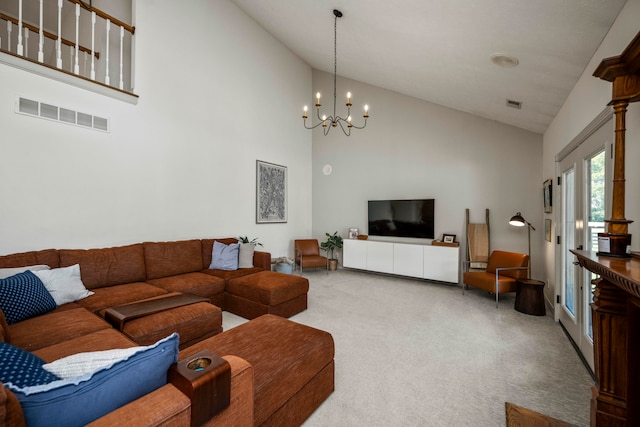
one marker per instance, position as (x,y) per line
(333,242)
(245,239)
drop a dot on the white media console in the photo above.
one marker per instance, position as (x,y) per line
(439,263)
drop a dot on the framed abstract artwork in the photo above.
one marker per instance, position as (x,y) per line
(271,193)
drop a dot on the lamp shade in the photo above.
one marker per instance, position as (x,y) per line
(517,220)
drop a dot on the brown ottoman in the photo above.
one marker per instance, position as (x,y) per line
(266,292)
(193,322)
(293,366)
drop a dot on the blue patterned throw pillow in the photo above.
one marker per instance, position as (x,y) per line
(21,368)
(23,296)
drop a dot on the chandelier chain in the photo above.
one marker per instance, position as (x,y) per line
(335,60)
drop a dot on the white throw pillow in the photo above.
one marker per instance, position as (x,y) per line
(85,363)
(8,272)
(64,284)
(245,259)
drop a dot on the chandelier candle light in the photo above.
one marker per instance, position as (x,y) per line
(335,120)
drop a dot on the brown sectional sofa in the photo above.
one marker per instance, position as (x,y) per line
(265,387)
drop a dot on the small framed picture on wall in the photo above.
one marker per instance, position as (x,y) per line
(547,191)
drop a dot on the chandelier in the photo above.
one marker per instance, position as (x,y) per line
(328,122)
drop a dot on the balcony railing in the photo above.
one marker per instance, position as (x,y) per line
(71,36)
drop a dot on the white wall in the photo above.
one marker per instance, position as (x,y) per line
(216,94)
(415,149)
(588,98)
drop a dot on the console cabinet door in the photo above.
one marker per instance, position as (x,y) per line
(380,257)
(354,254)
(441,263)
(408,260)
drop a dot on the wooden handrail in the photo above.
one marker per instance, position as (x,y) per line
(105,15)
(48,34)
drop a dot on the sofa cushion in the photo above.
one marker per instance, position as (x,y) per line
(55,327)
(104,339)
(19,368)
(231,274)
(80,400)
(47,257)
(12,271)
(108,266)
(172,258)
(23,296)
(119,294)
(64,284)
(204,285)
(224,257)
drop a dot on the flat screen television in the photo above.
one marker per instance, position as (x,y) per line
(402,218)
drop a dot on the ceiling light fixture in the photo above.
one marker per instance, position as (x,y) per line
(335,120)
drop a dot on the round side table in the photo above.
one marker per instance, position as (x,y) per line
(530,297)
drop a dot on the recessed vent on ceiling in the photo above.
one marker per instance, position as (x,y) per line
(514,104)
(59,114)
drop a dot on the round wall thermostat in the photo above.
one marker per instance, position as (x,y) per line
(326,169)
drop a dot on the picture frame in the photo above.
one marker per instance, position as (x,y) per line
(547,230)
(353,233)
(271,193)
(449,238)
(547,191)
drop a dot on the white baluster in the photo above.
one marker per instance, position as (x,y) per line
(84,67)
(72,52)
(26,41)
(9,28)
(121,49)
(41,38)
(76,67)
(93,38)
(59,41)
(20,50)
(107,80)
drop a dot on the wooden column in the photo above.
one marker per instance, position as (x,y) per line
(616,339)
(610,354)
(624,73)
(616,304)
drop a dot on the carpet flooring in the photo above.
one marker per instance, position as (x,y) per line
(416,353)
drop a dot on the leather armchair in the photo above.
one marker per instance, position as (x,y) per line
(503,269)
(308,254)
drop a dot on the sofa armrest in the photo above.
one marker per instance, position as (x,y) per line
(262,260)
(164,406)
(169,406)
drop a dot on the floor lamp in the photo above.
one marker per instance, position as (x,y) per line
(519,221)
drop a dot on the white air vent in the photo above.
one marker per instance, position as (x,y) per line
(514,104)
(59,114)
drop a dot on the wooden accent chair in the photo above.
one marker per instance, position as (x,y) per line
(503,269)
(308,255)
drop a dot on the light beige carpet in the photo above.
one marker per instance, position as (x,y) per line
(416,353)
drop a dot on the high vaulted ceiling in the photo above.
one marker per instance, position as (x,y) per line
(439,50)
